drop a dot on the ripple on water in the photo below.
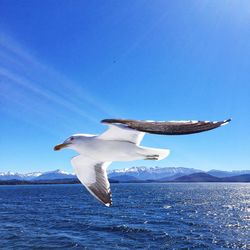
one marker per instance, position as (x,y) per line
(155,216)
(167,206)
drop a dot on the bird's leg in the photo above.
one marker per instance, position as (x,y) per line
(152,157)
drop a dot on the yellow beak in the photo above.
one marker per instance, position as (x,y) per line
(60,146)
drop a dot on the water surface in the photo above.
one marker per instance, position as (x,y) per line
(144,216)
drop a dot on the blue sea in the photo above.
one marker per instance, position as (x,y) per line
(143,216)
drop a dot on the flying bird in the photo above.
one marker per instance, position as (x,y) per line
(121,142)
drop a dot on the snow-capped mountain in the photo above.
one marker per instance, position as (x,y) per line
(51,175)
(126,174)
(17,176)
(152,173)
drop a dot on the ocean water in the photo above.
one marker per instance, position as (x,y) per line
(144,216)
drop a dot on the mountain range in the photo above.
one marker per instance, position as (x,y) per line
(134,174)
(177,174)
(51,175)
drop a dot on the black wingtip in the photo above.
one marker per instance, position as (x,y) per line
(111,120)
(225,122)
(228,120)
(105,121)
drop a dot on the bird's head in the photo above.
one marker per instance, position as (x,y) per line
(68,143)
(73,141)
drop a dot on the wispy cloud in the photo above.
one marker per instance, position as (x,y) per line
(50,91)
(36,89)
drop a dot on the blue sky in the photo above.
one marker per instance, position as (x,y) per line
(66,65)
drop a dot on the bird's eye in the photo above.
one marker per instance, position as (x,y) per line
(71,138)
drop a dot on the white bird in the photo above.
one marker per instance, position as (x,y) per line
(121,142)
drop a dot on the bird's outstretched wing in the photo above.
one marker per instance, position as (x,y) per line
(168,127)
(121,132)
(93,175)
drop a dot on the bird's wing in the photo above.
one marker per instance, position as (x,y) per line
(122,132)
(168,127)
(93,175)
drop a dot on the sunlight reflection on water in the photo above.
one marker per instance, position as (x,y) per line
(207,215)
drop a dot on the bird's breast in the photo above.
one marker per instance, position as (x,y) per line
(108,150)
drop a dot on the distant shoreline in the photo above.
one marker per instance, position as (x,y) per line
(191,178)
(58,182)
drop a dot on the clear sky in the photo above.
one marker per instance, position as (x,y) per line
(65,65)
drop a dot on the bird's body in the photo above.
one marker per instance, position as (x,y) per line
(114,150)
(121,142)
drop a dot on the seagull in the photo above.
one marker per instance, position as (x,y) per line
(121,142)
